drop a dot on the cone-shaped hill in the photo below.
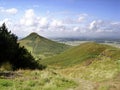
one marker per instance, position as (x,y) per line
(85,52)
(42,47)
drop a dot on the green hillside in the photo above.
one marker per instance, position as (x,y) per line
(84,52)
(42,47)
(90,62)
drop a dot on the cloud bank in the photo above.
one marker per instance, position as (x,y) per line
(77,26)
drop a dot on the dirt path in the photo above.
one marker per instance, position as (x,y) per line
(84,85)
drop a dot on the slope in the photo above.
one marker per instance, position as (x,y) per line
(42,47)
(93,66)
(84,52)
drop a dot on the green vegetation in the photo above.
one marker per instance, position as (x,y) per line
(84,52)
(89,66)
(36,80)
(41,47)
(99,70)
(14,55)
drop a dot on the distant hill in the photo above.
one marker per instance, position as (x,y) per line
(84,52)
(42,47)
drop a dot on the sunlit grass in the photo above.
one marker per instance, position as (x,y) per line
(36,80)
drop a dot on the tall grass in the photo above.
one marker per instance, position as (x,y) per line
(36,80)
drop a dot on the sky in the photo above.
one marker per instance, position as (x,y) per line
(62,18)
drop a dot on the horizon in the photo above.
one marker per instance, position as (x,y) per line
(66,18)
(95,39)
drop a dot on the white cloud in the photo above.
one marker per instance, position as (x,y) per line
(12,11)
(6,20)
(78,19)
(70,27)
(8,11)
(76,28)
(100,28)
(82,17)
(115,23)
(29,13)
(28,18)
(43,22)
(95,24)
(92,25)
(56,23)
(30,22)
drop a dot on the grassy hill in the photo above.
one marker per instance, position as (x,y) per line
(42,47)
(84,52)
(89,66)
(89,63)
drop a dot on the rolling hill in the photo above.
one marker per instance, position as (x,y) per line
(85,52)
(91,62)
(42,47)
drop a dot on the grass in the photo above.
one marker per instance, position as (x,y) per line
(90,66)
(82,53)
(39,45)
(90,62)
(97,71)
(37,80)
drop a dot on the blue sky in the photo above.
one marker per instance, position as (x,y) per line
(62,18)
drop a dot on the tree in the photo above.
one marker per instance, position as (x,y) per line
(8,45)
(10,51)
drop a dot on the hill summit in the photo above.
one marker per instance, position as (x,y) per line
(42,47)
(33,36)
